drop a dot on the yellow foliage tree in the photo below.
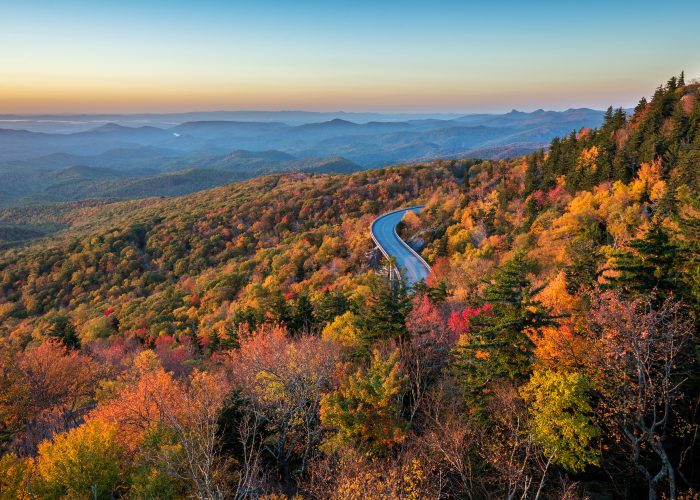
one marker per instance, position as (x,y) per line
(562,422)
(343,330)
(382,481)
(14,476)
(85,462)
(411,220)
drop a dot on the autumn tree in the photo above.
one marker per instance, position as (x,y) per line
(425,353)
(517,465)
(171,424)
(562,418)
(96,328)
(365,412)
(46,389)
(84,462)
(15,475)
(643,348)
(355,477)
(345,331)
(194,424)
(282,380)
(453,443)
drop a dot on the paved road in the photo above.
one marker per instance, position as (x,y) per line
(384,234)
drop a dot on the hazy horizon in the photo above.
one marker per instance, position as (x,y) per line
(329,111)
(502,107)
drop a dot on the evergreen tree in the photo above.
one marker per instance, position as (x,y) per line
(621,165)
(641,105)
(385,316)
(582,272)
(442,249)
(276,308)
(667,205)
(438,293)
(532,173)
(331,304)
(499,345)
(690,264)
(672,83)
(531,212)
(58,325)
(687,169)
(227,341)
(419,289)
(648,265)
(303,319)
(608,116)
(550,167)
(466,178)
(246,316)
(214,343)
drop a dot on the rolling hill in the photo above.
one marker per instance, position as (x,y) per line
(170,159)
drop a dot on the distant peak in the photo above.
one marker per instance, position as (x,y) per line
(340,121)
(335,122)
(109,127)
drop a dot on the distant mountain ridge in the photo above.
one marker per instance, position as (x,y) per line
(181,157)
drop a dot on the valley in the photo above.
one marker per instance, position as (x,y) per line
(113,161)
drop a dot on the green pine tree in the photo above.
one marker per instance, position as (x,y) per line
(303,319)
(690,263)
(59,326)
(648,265)
(366,411)
(438,293)
(533,172)
(499,344)
(331,304)
(385,317)
(582,272)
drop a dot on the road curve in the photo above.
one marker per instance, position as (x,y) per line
(383,231)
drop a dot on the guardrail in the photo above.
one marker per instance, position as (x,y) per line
(408,247)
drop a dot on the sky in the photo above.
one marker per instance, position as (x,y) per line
(61,56)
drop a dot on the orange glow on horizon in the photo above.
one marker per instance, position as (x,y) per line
(55,95)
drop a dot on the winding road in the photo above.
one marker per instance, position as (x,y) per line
(383,231)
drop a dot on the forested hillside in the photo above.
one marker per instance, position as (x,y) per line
(245,341)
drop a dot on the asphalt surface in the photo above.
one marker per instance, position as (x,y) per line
(383,230)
